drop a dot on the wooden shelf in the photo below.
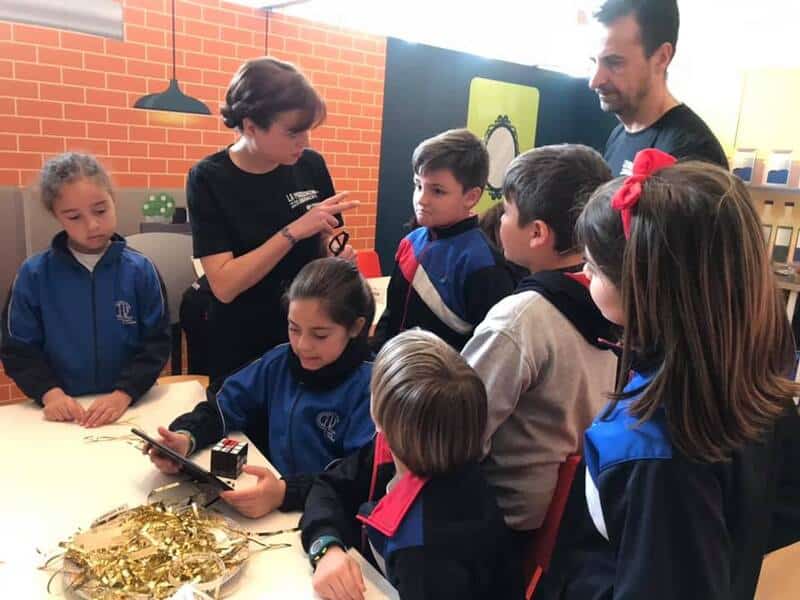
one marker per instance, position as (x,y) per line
(788,282)
(774,188)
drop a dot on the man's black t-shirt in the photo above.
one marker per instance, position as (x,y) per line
(679,131)
(235,211)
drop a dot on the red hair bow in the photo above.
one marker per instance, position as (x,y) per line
(645,164)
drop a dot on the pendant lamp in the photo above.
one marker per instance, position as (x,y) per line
(172,99)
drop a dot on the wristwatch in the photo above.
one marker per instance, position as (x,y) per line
(320,547)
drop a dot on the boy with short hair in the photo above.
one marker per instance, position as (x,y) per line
(538,351)
(430,518)
(447,275)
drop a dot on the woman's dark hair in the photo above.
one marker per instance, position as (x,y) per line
(338,284)
(264,87)
(698,292)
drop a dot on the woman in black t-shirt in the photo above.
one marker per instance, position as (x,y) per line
(260,209)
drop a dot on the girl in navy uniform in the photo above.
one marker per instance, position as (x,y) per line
(308,399)
(679,489)
(89,314)
(260,209)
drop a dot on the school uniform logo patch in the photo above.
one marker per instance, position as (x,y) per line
(327,422)
(124,313)
(305,197)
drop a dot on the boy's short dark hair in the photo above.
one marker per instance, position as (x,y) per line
(552,184)
(659,20)
(457,150)
(430,404)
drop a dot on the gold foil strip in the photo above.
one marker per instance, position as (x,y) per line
(139,553)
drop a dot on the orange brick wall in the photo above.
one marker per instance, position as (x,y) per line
(61,91)
(9,392)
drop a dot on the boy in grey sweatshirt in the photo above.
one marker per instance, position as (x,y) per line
(541,352)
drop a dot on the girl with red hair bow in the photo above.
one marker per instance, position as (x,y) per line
(679,486)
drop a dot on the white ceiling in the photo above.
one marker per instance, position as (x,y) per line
(549,33)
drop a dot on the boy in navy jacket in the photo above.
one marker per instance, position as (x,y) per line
(447,275)
(427,516)
(89,315)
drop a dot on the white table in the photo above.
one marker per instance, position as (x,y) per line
(55,482)
(379,286)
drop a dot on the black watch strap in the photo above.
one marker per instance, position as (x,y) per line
(320,547)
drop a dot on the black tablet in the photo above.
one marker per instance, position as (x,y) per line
(192,469)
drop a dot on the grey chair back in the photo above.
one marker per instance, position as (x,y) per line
(172,255)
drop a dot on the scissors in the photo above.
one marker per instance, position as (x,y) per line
(338,242)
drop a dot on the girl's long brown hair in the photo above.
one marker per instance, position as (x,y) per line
(697,292)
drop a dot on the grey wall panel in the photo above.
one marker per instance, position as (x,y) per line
(40,226)
(97,17)
(12,237)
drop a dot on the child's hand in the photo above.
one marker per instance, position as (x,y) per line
(264,497)
(338,577)
(179,442)
(106,409)
(58,406)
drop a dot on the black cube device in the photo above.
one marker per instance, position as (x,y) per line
(228,457)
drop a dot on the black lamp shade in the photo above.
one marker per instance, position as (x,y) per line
(174,100)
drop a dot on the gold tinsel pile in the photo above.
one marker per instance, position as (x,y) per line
(140,552)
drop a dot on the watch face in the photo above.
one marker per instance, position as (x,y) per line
(315,547)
